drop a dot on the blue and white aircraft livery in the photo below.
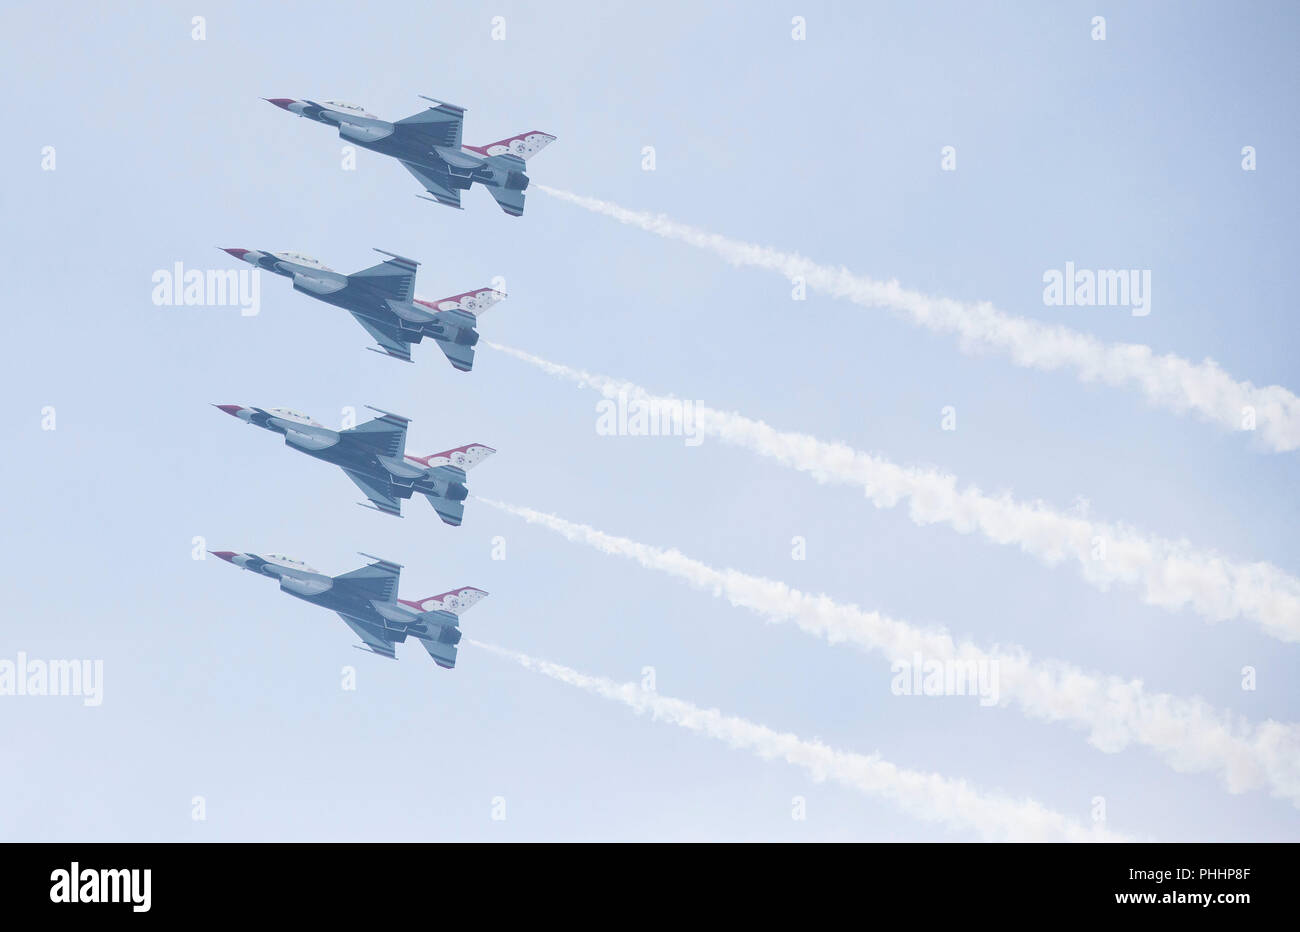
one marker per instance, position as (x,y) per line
(366,599)
(382,299)
(373,455)
(428,145)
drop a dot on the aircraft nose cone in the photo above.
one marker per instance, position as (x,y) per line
(232,410)
(227,555)
(281,102)
(236,252)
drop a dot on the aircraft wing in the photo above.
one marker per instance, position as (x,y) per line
(439,125)
(376,582)
(393,278)
(384,435)
(436,182)
(379,496)
(389,340)
(371,635)
(444,655)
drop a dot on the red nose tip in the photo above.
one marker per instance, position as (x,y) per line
(281,102)
(227,555)
(236,252)
(232,410)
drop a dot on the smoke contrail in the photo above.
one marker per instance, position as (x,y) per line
(1189,734)
(1168,381)
(1171,574)
(926,795)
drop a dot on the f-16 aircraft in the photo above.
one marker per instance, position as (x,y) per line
(366,599)
(382,299)
(428,145)
(373,455)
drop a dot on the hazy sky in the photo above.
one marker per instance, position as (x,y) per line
(1115,154)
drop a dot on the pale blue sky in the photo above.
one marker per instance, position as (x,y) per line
(1115,154)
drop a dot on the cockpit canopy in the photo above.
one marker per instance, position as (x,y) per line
(349,108)
(295,416)
(305,260)
(282,560)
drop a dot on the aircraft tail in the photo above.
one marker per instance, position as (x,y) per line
(454,319)
(463,458)
(448,467)
(473,303)
(524,145)
(456,602)
(441,615)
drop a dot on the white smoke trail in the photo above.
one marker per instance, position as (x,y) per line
(1189,734)
(1171,574)
(1168,381)
(926,795)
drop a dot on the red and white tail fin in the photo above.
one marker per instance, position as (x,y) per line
(464,458)
(473,302)
(523,146)
(456,601)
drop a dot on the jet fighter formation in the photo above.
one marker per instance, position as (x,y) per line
(428,145)
(366,599)
(382,300)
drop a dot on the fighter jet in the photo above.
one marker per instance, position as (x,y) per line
(366,599)
(382,299)
(428,146)
(373,455)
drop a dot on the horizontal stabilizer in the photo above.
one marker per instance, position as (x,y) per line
(460,356)
(444,655)
(510,199)
(450,512)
